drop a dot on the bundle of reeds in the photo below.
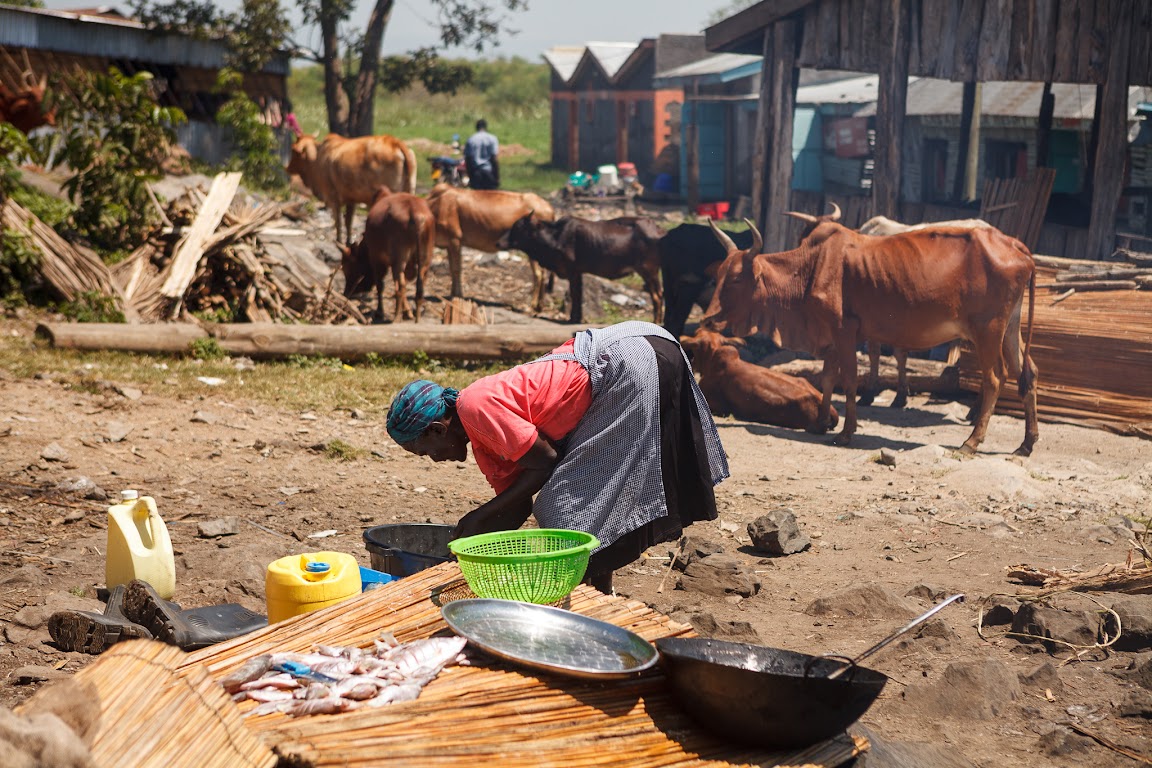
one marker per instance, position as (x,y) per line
(151,716)
(492,711)
(1095,361)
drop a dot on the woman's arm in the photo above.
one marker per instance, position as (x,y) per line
(510,508)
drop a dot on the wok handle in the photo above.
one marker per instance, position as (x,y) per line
(850,664)
(909,626)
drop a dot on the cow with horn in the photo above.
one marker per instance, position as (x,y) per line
(912,290)
(23,106)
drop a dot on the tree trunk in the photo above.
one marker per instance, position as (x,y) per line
(334,95)
(364,98)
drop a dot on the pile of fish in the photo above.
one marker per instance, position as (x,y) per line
(338,679)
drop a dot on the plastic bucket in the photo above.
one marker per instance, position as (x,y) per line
(407,548)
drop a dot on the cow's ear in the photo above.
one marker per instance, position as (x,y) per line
(713,269)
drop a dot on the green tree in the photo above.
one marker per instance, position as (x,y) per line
(351,59)
(256,148)
(115,137)
(253,34)
(730,9)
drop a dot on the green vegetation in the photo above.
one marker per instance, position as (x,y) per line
(341,451)
(511,94)
(92,307)
(256,152)
(115,137)
(206,348)
(19,276)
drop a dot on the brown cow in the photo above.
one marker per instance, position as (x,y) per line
(913,290)
(750,392)
(883,226)
(477,218)
(572,246)
(345,172)
(398,236)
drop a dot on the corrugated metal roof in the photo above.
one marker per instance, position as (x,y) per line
(110,37)
(611,55)
(928,96)
(721,68)
(852,90)
(564,58)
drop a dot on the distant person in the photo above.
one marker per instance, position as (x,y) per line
(480,153)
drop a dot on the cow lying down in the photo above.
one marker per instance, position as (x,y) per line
(750,392)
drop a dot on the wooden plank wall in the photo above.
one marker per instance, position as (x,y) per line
(1066,41)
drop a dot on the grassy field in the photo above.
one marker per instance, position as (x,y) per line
(512,95)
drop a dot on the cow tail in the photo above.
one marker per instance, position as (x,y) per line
(410,169)
(1028,371)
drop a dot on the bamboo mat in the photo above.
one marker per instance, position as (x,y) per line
(152,716)
(1094,352)
(493,710)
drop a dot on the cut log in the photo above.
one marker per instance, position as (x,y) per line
(923,375)
(1101,274)
(348,342)
(1095,285)
(167,338)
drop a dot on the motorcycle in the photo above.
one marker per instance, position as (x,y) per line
(449,170)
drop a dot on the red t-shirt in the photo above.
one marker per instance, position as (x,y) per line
(504,413)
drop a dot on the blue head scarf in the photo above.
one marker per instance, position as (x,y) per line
(416,406)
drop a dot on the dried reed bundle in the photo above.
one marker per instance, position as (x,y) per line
(151,715)
(495,711)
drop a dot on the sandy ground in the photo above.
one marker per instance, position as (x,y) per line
(932,519)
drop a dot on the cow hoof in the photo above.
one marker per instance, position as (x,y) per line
(967,450)
(842,439)
(899,402)
(1023,450)
(816,429)
(866,399)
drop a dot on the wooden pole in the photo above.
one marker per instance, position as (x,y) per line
(1112,150)
(760,167)
(1044,127)
(781,114)
(692,147)
(348,342)
(891,107)
(972,160)
(963,147)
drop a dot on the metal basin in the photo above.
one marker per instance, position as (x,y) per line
(762,696)
(407,548)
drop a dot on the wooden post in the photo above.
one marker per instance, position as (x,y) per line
(963,147)
(778,151)
(692,142)
(760,168)
(972,160)
(1112,149)
(891,106)
(1044,127)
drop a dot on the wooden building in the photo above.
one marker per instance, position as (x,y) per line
(607,109)
(184,68)
(1105,44)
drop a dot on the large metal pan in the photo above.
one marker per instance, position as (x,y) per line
(771,697)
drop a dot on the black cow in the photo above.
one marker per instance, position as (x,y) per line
(686,254)
(570,247)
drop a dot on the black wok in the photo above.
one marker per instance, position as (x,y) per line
(771,697)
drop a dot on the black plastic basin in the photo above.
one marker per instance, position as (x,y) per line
(406,548)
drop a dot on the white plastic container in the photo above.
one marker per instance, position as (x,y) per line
(139,546)
(609,178)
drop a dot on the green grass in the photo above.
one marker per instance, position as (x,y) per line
(513,99)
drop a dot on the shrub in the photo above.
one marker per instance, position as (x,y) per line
(256,151)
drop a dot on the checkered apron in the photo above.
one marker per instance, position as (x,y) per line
(608,481)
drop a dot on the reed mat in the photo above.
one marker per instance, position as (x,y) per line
(493,710)
(151,716)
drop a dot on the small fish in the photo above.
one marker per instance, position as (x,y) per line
(395,693)
(431,654)
(270,694)
(267,708)
(328,706)
(315,691)
(284,680)
(249,671)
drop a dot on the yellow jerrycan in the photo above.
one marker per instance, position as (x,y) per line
(139,546)
(301,583)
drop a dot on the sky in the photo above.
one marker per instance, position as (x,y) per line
(546,22)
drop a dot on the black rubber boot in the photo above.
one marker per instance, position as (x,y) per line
(91,632)
(189,629)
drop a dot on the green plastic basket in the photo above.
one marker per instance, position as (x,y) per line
(532,566)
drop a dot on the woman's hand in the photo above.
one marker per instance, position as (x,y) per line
(510,508)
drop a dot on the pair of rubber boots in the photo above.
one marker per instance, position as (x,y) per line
(135,610)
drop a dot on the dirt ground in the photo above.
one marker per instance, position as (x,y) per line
(932,519)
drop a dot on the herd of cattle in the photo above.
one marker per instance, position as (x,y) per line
(910,287)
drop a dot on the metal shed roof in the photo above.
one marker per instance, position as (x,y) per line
(611,56)
(928,96)
(721,68)
(564,59)
(853,90)
(111,37)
